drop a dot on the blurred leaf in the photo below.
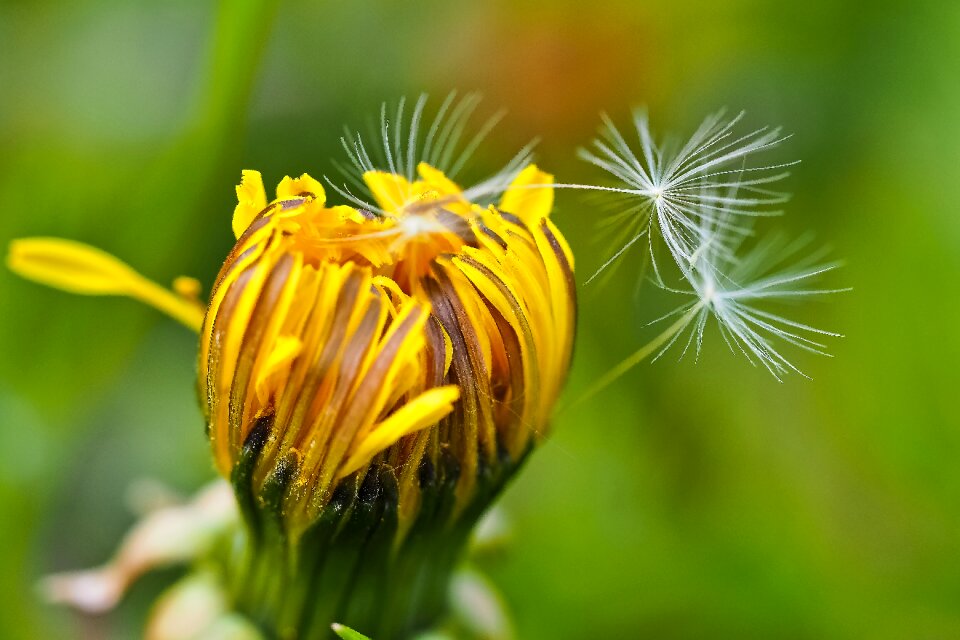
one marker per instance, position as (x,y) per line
(347,633)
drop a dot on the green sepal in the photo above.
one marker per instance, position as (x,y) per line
(242,476)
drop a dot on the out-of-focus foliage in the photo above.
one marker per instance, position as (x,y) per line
(687,500)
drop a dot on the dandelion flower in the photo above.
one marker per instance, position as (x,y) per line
(338,334)
(371,374)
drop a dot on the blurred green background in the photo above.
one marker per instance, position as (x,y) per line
(687,500)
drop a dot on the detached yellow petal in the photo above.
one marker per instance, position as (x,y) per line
(423,411)
(80,268)
(529,196)
(71,266)
(251,200)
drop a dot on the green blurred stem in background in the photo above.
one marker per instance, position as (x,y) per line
(211,139)
(242,31)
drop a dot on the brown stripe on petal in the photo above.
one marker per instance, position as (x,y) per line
(490,233)
(293,203)
(436,354)
(357,411)
(346,347)
(218,381)
(310,329)
(571,284)
(242,248)
(262,220)
(332,345)
(213,310)
(326,413)
(509,217)
(564,263)
(467,370)
(517,392)
(252,345)
(456,224)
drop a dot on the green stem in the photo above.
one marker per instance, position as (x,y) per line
(241,34)
(349,566)
(193,169)
(639,355)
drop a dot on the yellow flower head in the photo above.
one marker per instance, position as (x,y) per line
(339,337)
(370,374)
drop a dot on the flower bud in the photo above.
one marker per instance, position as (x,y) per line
(393,366)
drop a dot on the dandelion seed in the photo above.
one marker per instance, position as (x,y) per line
(731,288)
(731,298)
(679,188)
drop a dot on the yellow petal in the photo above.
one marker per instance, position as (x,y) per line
(284,351)
(564,245)
(80,268)
(71,266)
(390,191)
(447,350)
(525,199)
(348,214)
(251,200)
(397,295)
(296,187)
(437,181)
(423,411)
